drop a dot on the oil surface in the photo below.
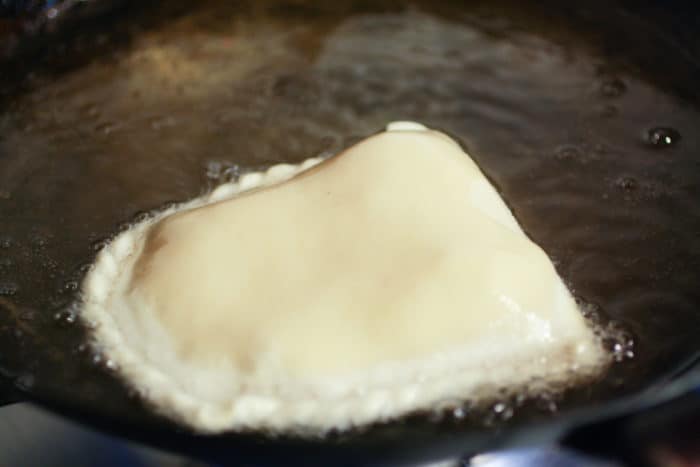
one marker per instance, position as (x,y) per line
(597,159)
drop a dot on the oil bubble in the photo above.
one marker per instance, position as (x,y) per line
(141,216)
(50,264)
(168,205)
(123,226)
(503,410)
(619,343)
(100,244)
(590,311)
(662,137)
(520,399)
(627,183)
(621,349)
(232,172)
(222,172)
(66,317)
(459,413)
(213,170)
(97,359)
(546,401)
(8,289)
(39,241)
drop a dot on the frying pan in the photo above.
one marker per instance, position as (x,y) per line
(584,116)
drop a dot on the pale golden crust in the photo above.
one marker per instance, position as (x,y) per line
(319,343)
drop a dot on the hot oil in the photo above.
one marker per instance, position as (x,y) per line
(596,158)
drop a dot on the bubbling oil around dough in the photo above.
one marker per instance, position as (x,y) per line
(326,295)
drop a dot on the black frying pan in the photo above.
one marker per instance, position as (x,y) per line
(585,116)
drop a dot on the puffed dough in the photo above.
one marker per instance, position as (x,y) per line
(388,279)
